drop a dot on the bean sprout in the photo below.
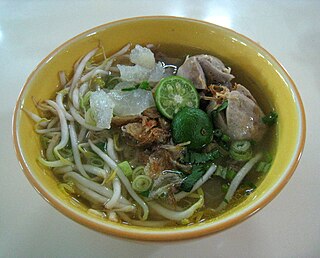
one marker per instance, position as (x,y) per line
(123,179)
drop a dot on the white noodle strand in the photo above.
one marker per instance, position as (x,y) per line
(116,194)
(176,215)
(79,69)
(237,180)
(50,130)
(63,78)
(81,120)
(64,127)
(121,52)
(75,150)
(59,101)
(53,142)
(111,151)
(123,179)
(37,118)
(102,173)
(102,190)
(75,98)
(82,134)
(101,69)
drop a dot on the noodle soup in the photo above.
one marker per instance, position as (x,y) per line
(156,135)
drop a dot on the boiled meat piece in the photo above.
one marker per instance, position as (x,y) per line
(204,70)
(242,119)
(192,70)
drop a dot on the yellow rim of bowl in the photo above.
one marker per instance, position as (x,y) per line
(141,233)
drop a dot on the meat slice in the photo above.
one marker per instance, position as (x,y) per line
(214,70)
(123,120)
(242,119)
(151,112)
(192,70)
(204,70)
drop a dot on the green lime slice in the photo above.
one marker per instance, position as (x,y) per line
(194,125)
(174,93)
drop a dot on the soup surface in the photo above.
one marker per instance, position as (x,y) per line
(156,135)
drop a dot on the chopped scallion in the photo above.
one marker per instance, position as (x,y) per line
(126,168)
(241,150)
(224,188)
(137,172)
(141,183)
(263,166)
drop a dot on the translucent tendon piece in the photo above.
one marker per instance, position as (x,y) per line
(142,56)
(157,73)
(102,107)
(131,102)
(136,73)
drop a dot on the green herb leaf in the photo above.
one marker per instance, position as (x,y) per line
(225,173)
(224,188)
(102,146)
(197,172)
(126,168)
(145,193)
(223,106)
(143,85)
(222,139)
(129,89)
(111,81)
(97,81)
(250,184)
(198,158)
(271,118)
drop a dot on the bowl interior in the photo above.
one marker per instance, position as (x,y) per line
(265,77)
